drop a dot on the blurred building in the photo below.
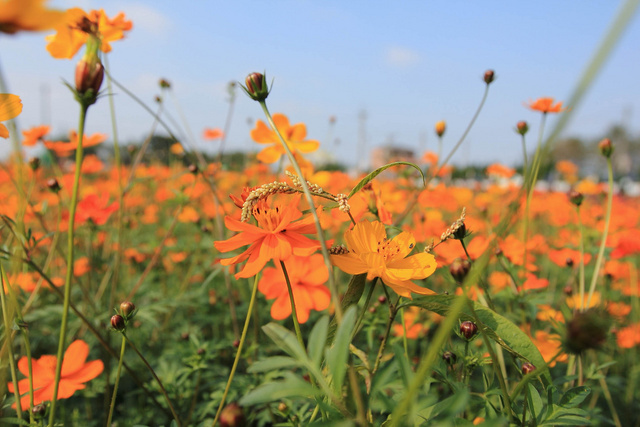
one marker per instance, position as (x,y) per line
(380,156)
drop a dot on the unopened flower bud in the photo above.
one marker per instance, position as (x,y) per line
(118,323)
(232,416)
(382,299)
(89,76)
(127,309)
(606,148)
(193,169)
(52,184)
(527,368)
(587,330)
(34,164)
(441,126)
(256,86)
(460,233)
(568,290)
(522,127)
(282,407)
(569,262)
(449,358)
(39,411)
(575,197)
(459,269)
(489,76)
(164,84)
(468,329)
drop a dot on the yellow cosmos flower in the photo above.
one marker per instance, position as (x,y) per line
(10,107)
(371,252)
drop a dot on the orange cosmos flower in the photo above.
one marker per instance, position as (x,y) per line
(210,133)
(72,33)
(369,251)
(277,237)
(294,136)
(27,15)
(10,107)
(500,171)
(545,105)
(75,372)
(95,208)
(33,135)
(629,336)
(64,148)
(549,345)
(307,276)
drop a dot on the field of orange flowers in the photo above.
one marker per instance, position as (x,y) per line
(189,292)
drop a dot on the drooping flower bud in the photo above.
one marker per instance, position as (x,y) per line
(527,368)
(489,76)
(522,127)
(606,148)
(441,126)
(39,411)
(468,329)
(256,86)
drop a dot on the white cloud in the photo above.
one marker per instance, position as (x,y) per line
(401,57)
(146,18)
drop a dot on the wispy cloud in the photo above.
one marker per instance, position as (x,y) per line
(146,18)
(401,57)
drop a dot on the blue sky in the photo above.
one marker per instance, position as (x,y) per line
(407,64)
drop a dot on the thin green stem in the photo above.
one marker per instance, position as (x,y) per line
(303,182)
(164,392)
(524,157)
(607,221)
(367,301)
(393,310)
(70,260)
(7,335)
(115,385)
(530,183)
(581,266)
(294,312)
(239,353)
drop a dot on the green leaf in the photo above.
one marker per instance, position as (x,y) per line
(317,340)
(535,402)
(574,397)
(290,387)
(350,298)
(272,364)
(367,179)
(337,355)
(498,328)
(403,365)
(286,340)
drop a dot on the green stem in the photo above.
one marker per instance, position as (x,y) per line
(581,278)
(115,385)
(7,335)
(607,221)
(294,312)
(164,392)
(392,315)
(70,260)
(303,181)
(524,157)
(240,345)
(367,301)
(530,183)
